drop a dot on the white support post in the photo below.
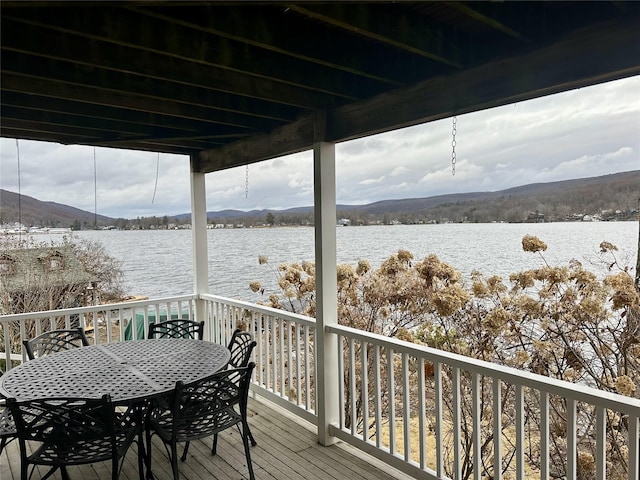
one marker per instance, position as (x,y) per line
(324,173)
(199,241)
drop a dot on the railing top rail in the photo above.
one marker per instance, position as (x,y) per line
(95,308)
(554,386)
(276,312)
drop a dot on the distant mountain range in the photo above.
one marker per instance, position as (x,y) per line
(34,212)
(620,191)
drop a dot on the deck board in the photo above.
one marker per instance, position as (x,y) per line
(287,450)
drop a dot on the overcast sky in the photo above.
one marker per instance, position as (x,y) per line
(588,132)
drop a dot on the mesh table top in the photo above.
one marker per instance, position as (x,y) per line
(127,371)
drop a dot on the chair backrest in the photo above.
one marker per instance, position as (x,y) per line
(206,406)
(64,425)
(241,345)
(55,341)
(177,328)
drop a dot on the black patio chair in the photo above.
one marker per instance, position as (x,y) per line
(55,341)
(62,432)
(7,425)
(202,408)
(241,345)
(177,328)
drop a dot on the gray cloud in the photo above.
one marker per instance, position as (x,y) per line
(587,132)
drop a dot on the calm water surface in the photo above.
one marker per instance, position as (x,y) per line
(158,263)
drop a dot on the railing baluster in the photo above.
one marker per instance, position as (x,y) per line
(289,355)
(216,327)
(377,400)
(312,374)
(634,447)
(601,446)
(422,415)
(298,360)
(281,355)
(307,372)
(572,445)
(545,470)
(406,412)
(497,429)
(457,421)
(437,373)
(260,333)
(271,347)
(23,336)
(365,390)
(391,390)
(108,325)
(7,344)
(476,414)
(145,322)
(342,399)
(519,432)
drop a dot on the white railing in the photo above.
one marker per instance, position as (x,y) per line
(429,413)
(284,354)
(102,323)
(435,414)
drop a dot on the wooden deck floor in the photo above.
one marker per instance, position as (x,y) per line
(287,450)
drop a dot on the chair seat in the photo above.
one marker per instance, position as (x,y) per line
(196,428)
(79,451)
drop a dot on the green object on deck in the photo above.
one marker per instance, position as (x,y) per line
(141,327)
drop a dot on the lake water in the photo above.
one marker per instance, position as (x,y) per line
(158,263)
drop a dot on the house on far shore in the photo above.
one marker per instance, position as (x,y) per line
(44,278)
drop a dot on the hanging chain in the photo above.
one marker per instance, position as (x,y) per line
(453,147)
(246,182)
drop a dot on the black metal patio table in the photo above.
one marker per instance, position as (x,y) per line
(128,371)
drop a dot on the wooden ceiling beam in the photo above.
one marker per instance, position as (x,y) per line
(126,121)
(272,28)
(89,53)
(134,86)
(486,20)
(29,134)
(424,40)
(44,127)
(114,130)
(82,93)
(165,37)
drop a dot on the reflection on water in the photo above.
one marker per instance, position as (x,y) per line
(159,263)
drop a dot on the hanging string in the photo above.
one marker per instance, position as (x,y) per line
(453,147)
(246,182)
(19,192)
(155,187)
(95,191)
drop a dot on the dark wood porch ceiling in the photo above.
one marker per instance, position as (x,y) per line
(240,82)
